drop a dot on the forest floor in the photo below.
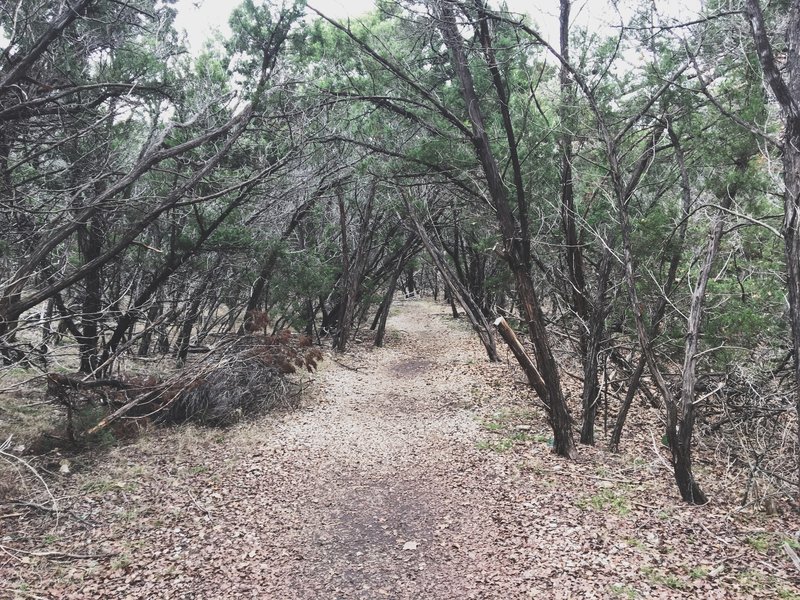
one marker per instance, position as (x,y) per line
(418,470)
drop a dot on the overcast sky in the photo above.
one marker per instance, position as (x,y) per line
(200,17)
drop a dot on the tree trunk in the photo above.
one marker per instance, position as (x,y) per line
(787,93)
(590,326)
(449,299)
(622,415)
(47,321)
(591,345)
(516,236)
(260,288)
(518,350)
(192,314)
(456,288)
(386,305)
(377,318)
(674,263)
(411,284)
(185,334)
(258,291)
(346,280)
(90,243)
(152,314)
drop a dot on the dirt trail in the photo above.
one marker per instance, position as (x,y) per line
(392,447)
(364,493)
(413,471)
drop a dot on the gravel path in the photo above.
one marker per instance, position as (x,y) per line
(414,471)
(387,510)
(363,493)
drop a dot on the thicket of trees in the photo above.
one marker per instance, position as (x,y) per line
(629,201)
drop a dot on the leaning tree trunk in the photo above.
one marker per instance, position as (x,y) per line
(191,316)
(352,271)
(519,352)
(787,93)
(516,233)
(386,304)
(385,307)
(457,291)
(258,291)
(147,337)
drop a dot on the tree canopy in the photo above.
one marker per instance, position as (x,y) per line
(627,199)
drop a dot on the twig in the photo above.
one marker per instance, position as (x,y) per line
(341,364)
(27,593)
(32,404)
(41,507)
(599,477)
(57,553)
(792,555)
(11,457)
(197,504)
(640,505)
(46,509)
(714,535)
(658,454)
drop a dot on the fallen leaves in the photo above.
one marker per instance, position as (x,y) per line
(380,489)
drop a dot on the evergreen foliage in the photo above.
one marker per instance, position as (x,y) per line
(624,198)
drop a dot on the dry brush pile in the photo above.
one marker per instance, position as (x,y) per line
(239,376)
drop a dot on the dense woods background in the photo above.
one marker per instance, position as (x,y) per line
(628,200)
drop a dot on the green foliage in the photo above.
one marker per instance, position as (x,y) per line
(498,445)
(762,543)
(607,500)
(660,577)
(624,591)
(699,572)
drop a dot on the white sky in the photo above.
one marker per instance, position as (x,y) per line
(199,18)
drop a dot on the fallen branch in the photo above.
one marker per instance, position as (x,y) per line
(45,509)
(18,592)
(24,504)
(197,504)
(11,457)
(105,422)
(56,553)
(518,350)
(658,454)
(341,364)
(792,555)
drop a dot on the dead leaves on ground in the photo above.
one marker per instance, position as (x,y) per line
(435,481)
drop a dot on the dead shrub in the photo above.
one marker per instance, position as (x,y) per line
(242,375)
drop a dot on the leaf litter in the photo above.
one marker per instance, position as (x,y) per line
(414,471)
